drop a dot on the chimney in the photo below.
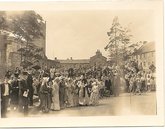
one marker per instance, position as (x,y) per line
(71,58)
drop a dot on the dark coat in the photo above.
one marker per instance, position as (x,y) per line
(86,87)
(46,98)
(62,95)
(14,92)
(108,84)
(29,81)
(23,87)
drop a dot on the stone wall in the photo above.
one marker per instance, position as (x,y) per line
(2,55)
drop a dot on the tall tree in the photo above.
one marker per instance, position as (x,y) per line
(26,27)
(3,21)
(119,38)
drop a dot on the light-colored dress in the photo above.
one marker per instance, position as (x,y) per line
(55,97)
(81,93)
(94,98)
(69,93)
(75,95)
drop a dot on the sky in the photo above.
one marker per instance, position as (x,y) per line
(79,33)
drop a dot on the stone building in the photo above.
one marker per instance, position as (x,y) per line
(98,60)
(3,45)
(74,63)
(55,63)
(145,55)
(14,58)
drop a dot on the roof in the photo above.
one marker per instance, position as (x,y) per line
(148,47)
(72,61)
(55,61)
(98,55)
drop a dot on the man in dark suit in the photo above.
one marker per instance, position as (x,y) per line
(5,92)
(23,94)
(31,90)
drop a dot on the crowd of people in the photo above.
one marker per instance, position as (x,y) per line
(57,90)
(137,79)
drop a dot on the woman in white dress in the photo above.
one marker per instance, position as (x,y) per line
(69,92)
(55,95)
(94,98)
(81,93)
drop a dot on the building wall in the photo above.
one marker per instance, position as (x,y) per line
(145,59)
(98,59)
(15,60)
(54,63)
(2,55)
(73,65)
(11,53)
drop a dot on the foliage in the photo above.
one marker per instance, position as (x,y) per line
(120,45)
(25,26)
(3,21)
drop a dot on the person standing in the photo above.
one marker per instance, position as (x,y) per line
(143,83)
(94,98)
(75,94)
(17,72)
(138,85)
(83,92)
(55,95)
(62,95)
(5,92)
(149,82)
(69,92)
(30,87)
(116,84)
(14,95)
(108,86)
(23,94)
(46,99)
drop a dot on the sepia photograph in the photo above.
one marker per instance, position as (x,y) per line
(82,60)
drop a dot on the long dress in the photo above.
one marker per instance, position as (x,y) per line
(94,98)
(81,93)
(55,97)
(86,98)
(75,95)
(62,96)
(116,85)
(46,98)
(69,94)
(14,93)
